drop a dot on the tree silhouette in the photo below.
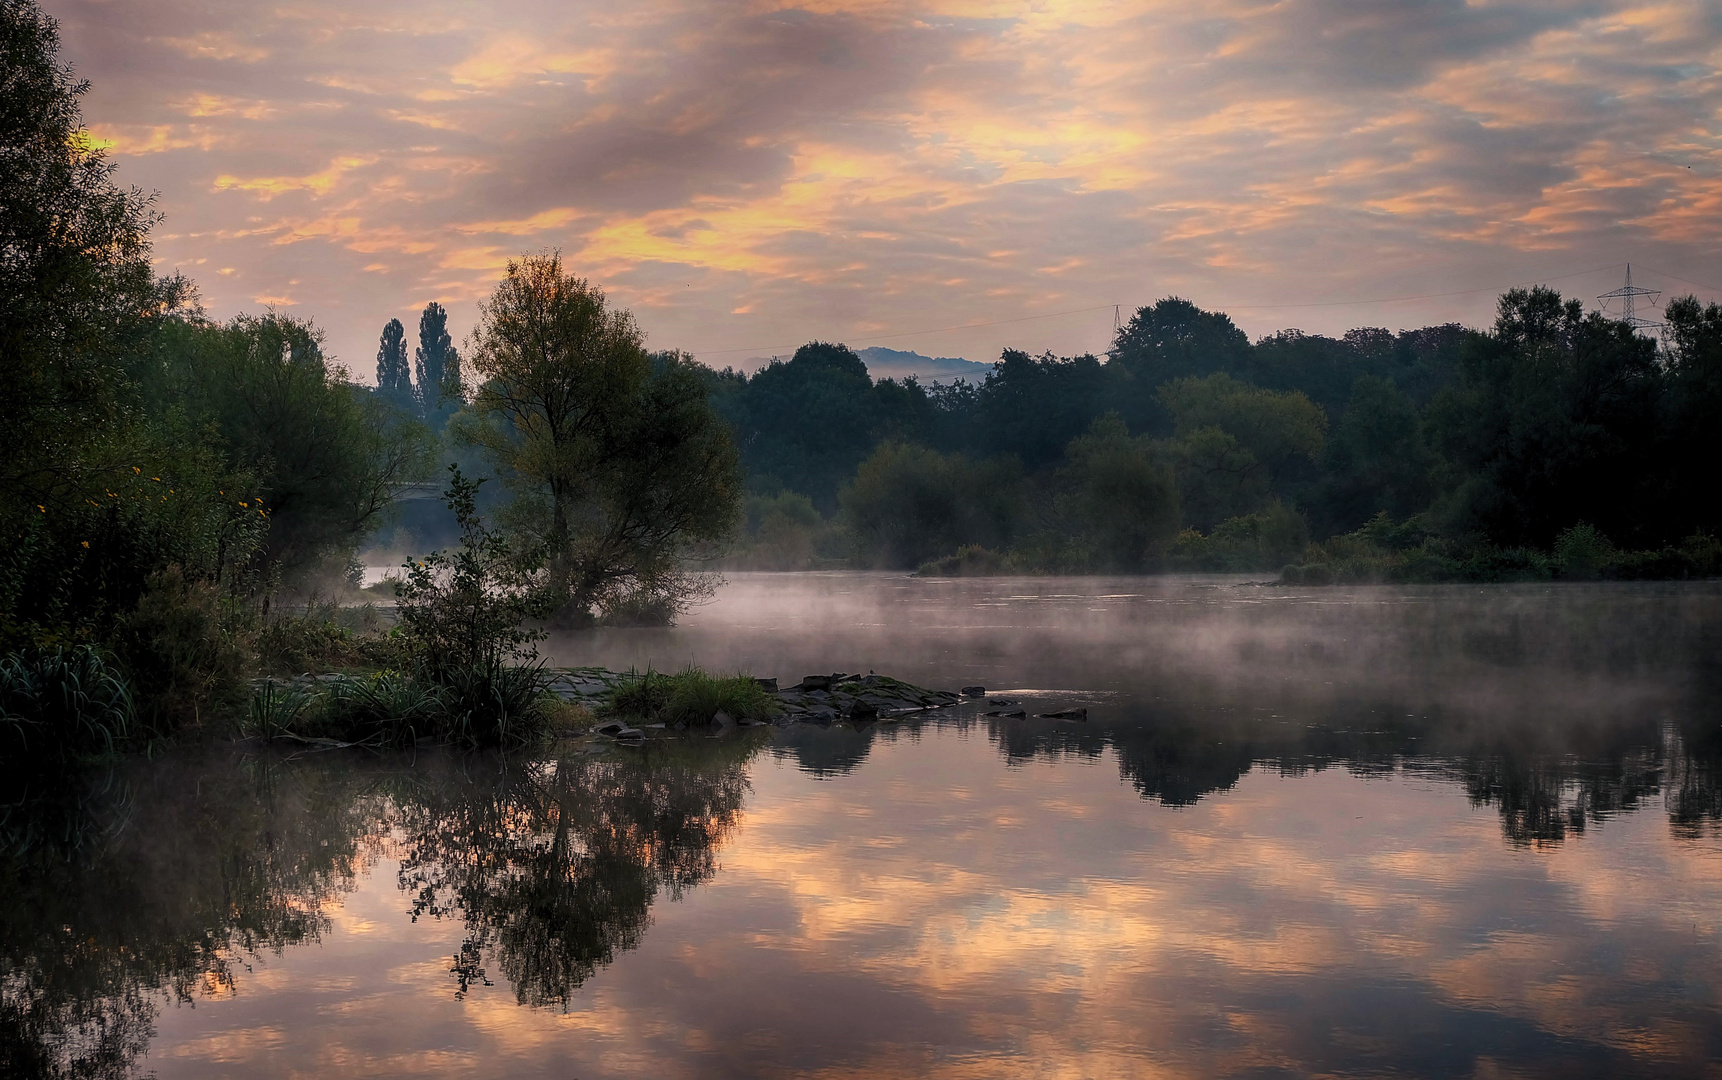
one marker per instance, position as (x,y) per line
(394,380)
(436,363)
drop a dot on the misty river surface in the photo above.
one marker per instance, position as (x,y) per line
(1426,831)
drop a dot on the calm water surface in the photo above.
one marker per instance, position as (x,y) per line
(1417,831)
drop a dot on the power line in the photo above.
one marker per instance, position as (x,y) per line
(1683,281)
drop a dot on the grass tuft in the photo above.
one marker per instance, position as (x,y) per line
(691,697)
(62,704)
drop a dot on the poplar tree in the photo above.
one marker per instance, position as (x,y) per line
(394,380)
(437,363)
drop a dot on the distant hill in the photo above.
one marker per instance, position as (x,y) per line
(885,363)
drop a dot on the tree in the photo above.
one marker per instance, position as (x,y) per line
(1238,444)
(1124,497)
(76,289)
(620,465)
(436,362)
(1032,406)
(394,378)
(328,457)
(1376,460)
(1694,446)
(806,423)
(909,504)
(1553,421)
(81,516)
(1174,339)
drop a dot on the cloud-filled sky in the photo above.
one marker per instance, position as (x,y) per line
(746,176)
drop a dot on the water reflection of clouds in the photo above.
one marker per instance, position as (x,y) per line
(935,915)
(1294,867)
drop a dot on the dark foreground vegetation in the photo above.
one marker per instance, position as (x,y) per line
(184,500)
(177,493)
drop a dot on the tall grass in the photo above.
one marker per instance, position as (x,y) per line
(691,697)
(471,705)
(62,704)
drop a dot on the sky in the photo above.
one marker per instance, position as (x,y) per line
(749,176)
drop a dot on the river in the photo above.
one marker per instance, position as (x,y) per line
(1433,831)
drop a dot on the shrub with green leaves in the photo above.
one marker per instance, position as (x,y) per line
(464,611)
(185,663)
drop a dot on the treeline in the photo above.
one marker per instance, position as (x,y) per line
(1555,443)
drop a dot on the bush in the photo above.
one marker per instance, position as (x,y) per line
(1583,552)
(62,704)
(783,532)
(1266,540)
(563,716)
(329,638)
(462,613)
(1123,497)
(971,560)
(690,698)
(909,504)
(183,662)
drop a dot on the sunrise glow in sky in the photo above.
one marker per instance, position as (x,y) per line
(750,175)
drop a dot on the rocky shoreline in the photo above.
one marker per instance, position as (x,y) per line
(816,699)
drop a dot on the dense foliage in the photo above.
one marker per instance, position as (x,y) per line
(620,467)
(1189,447)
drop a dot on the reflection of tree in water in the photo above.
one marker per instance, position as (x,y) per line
(1547,780)
(1542,797)
(127,889)
(554,866)
(831,751)
(1694,782)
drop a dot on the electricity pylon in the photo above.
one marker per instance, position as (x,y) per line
(1628,296)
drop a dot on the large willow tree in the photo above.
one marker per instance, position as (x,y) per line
(620,466)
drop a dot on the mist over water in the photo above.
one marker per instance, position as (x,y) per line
(1559,656)
(1437,831)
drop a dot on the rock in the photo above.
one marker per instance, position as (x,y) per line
(722,719)
(815,682)
(612,728)
(823,714)
(629,734)
(974,691)
(1002,701)
(768,685)
(818,695)
(1064,714)
(1013,714)
(861,709)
